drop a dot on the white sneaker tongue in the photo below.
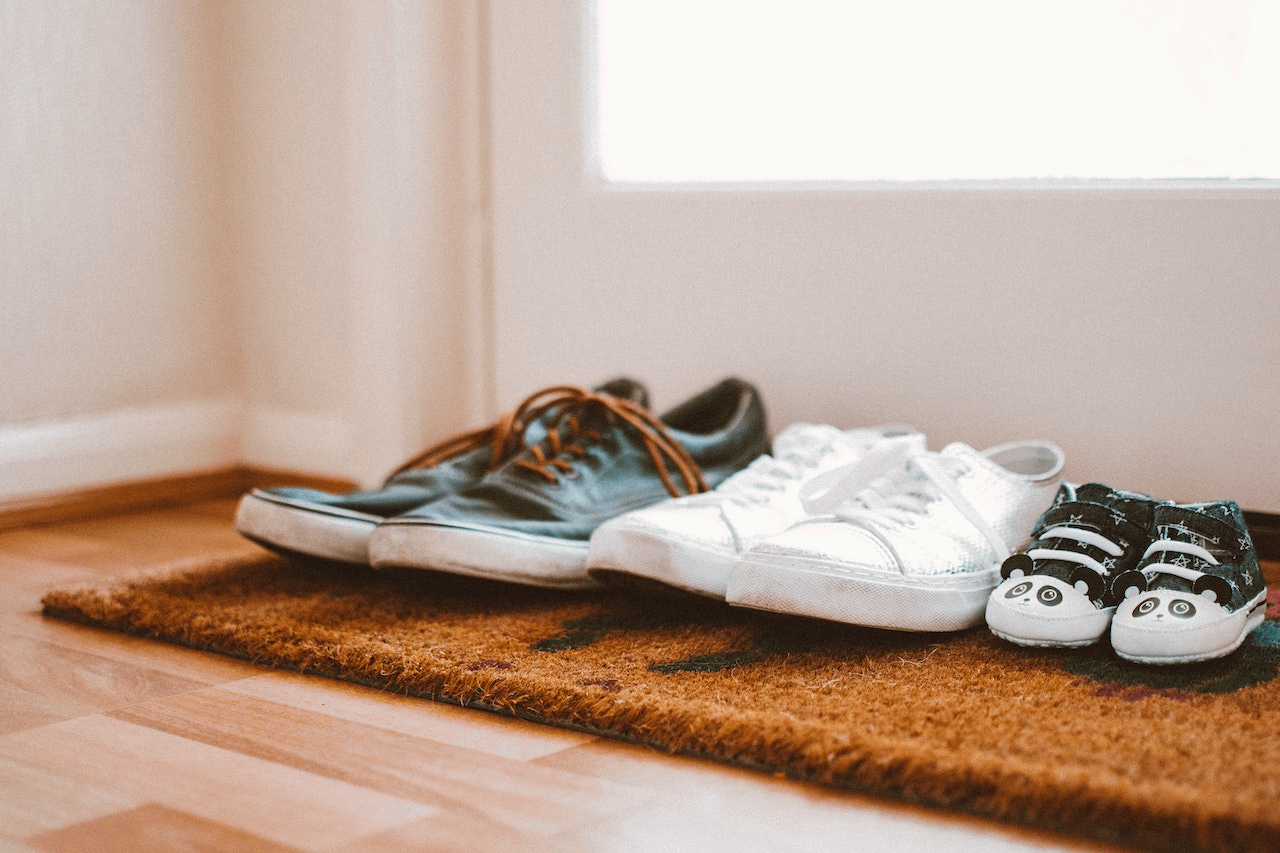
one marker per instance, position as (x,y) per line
(960,450)
(805,440)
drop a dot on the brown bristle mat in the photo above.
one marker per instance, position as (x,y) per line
(1184,758)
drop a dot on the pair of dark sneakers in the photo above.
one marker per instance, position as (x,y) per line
(1171,583)
(518,500)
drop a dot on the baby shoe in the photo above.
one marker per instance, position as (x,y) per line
(1058,592)
(1196,593)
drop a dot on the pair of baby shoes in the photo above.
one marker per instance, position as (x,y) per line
(1171,583)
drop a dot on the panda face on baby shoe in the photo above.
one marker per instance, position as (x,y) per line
(1043,610)
(1171,607)
(1042,592)
(1207,596)
(1023,588)
(1032,591)
(1179,608)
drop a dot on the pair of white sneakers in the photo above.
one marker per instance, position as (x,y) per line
(862,526)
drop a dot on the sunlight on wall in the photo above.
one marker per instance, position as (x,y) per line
(935,90)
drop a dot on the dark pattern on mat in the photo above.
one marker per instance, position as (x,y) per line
(1181,758)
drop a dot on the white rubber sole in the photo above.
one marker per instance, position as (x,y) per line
(834,592)
(305,528)
(1165,645)
(695,567)
(1024,639)
(482,552)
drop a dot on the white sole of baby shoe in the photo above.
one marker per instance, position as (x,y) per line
(1212,641)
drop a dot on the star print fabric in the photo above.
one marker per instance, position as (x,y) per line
(1213,530)
(1124,518)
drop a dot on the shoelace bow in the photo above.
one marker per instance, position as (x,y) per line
(795,466)
(895,481)
(563,404)
(853,485)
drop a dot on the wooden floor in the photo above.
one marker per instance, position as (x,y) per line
(111,743)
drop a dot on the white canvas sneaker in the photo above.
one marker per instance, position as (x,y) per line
(913,544)
(692,542)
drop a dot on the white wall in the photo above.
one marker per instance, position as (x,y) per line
(234,232)
(1135,327)
(348,188)
(117,339)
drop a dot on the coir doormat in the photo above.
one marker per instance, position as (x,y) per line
(1183,758)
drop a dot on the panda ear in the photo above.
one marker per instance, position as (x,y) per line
(1094,584)
(1017,566)
(1128,584)
(1218,587)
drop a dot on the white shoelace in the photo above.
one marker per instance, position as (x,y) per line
(827,492)
(765,477)
(1088,537)
(769,475)
(895,482)
(1184,572)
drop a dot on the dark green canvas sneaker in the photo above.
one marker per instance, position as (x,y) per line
(530,520)
(309,522)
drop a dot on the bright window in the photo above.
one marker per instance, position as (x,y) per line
(937,90)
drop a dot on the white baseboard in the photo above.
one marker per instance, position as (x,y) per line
(124,445)
(170,439)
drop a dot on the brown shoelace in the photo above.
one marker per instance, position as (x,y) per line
(507,435)
(503,436)
(564,402)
